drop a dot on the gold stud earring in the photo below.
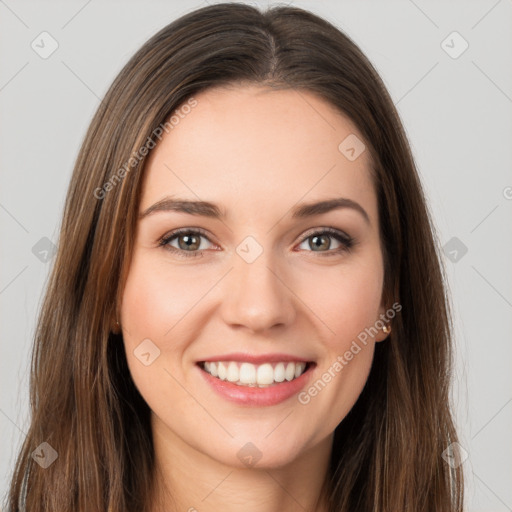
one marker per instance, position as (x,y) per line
(386,329)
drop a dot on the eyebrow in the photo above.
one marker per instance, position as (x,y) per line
(208,209)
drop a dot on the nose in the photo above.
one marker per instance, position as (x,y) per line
(257,297)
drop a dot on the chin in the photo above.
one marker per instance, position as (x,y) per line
(259,453)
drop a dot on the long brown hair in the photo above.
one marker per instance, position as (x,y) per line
(387,452)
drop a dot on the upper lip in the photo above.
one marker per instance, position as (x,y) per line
(256,359)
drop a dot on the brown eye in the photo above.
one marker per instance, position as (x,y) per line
(191,242)
(188,242)
(321,241)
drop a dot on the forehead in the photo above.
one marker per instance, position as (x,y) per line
(248,144)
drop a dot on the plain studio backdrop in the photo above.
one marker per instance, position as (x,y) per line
(448,67)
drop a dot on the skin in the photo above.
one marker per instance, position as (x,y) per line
(255,152)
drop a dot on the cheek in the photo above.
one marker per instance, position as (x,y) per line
(345,299)
(157,304)
(161,303)
(156,299)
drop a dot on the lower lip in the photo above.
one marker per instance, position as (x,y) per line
(255,396)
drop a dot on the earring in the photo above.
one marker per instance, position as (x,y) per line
(386,328)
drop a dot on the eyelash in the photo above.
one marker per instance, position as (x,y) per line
(347,242)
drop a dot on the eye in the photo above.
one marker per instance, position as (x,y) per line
(188,242)
(319,240)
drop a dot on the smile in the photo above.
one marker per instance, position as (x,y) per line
(252,375)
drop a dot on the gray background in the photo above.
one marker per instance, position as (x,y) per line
(457,114)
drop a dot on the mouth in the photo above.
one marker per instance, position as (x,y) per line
(268,374)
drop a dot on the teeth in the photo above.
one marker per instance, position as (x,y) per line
(265,374)
(289,373)
(279,372)
(232,372)
(247,374)
(223,373)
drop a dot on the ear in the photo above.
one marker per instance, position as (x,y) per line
(115,327)
(383,324)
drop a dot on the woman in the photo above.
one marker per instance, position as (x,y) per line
(247,308)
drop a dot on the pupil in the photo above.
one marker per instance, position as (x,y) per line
(189,241)
(318,238)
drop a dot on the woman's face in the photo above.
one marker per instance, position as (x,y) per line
(261,285)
